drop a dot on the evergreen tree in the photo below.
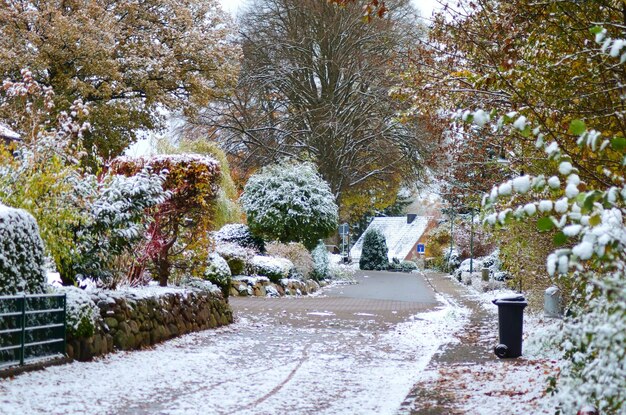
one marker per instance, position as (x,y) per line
(374,254)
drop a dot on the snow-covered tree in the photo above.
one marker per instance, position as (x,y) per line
(290,202)
(374,253)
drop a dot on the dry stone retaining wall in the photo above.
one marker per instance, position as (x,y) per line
(129,322)
(244,286)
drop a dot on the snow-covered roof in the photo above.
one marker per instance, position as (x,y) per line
(6,132)
(400,235)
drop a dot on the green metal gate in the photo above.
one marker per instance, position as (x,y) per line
(32,327)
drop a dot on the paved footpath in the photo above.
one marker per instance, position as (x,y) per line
(355,349)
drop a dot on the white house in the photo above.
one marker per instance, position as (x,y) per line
(403,235)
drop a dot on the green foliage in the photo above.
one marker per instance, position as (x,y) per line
(21,253)
(46,190)
(290,202)
(374,253)
(236,256)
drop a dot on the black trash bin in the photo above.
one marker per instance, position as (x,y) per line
(510,322)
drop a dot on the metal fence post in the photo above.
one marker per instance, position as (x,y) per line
(64,324)
(23,336)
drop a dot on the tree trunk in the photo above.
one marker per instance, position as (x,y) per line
(163,266)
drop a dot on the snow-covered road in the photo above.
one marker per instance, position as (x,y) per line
(265,363)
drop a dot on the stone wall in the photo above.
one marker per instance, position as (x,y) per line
(131,322)
(244,286)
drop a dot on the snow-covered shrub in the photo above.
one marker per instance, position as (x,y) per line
(320,261)
(297,254)
(82,313)
(271,267)
(114,222)
(198,284)
(239,234)
(236,256)
(21,253)
(338,271)
(451,259)
(290,202)
(374,254)
(218,272)
(407,266)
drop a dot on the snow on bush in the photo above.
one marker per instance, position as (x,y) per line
(290,202)
(320,261)
(374,253)
(239,234)
(82,313)
(340,272)
(236,256)
(591,222)
(271,267)
(297,254)
(21,253)
(115,206)
(218,271)
(199,284)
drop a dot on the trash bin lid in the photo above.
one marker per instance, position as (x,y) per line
(515,299)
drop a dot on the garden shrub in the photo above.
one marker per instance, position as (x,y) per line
(338,271)
(82,313)
(239,234)
(297,254)
(407,266)
(585,218)
(218,272)
(21,253)
(374,253)
(320,262)
(236,256)
(226,209)
(271,267)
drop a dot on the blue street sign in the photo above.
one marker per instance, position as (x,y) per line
(344,229)
(421,248)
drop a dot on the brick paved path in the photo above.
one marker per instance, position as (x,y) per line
(380,300)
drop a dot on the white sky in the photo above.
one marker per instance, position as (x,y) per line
(426,7)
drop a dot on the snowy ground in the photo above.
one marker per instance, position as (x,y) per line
(259,365)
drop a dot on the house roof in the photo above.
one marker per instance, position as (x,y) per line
(401,236)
